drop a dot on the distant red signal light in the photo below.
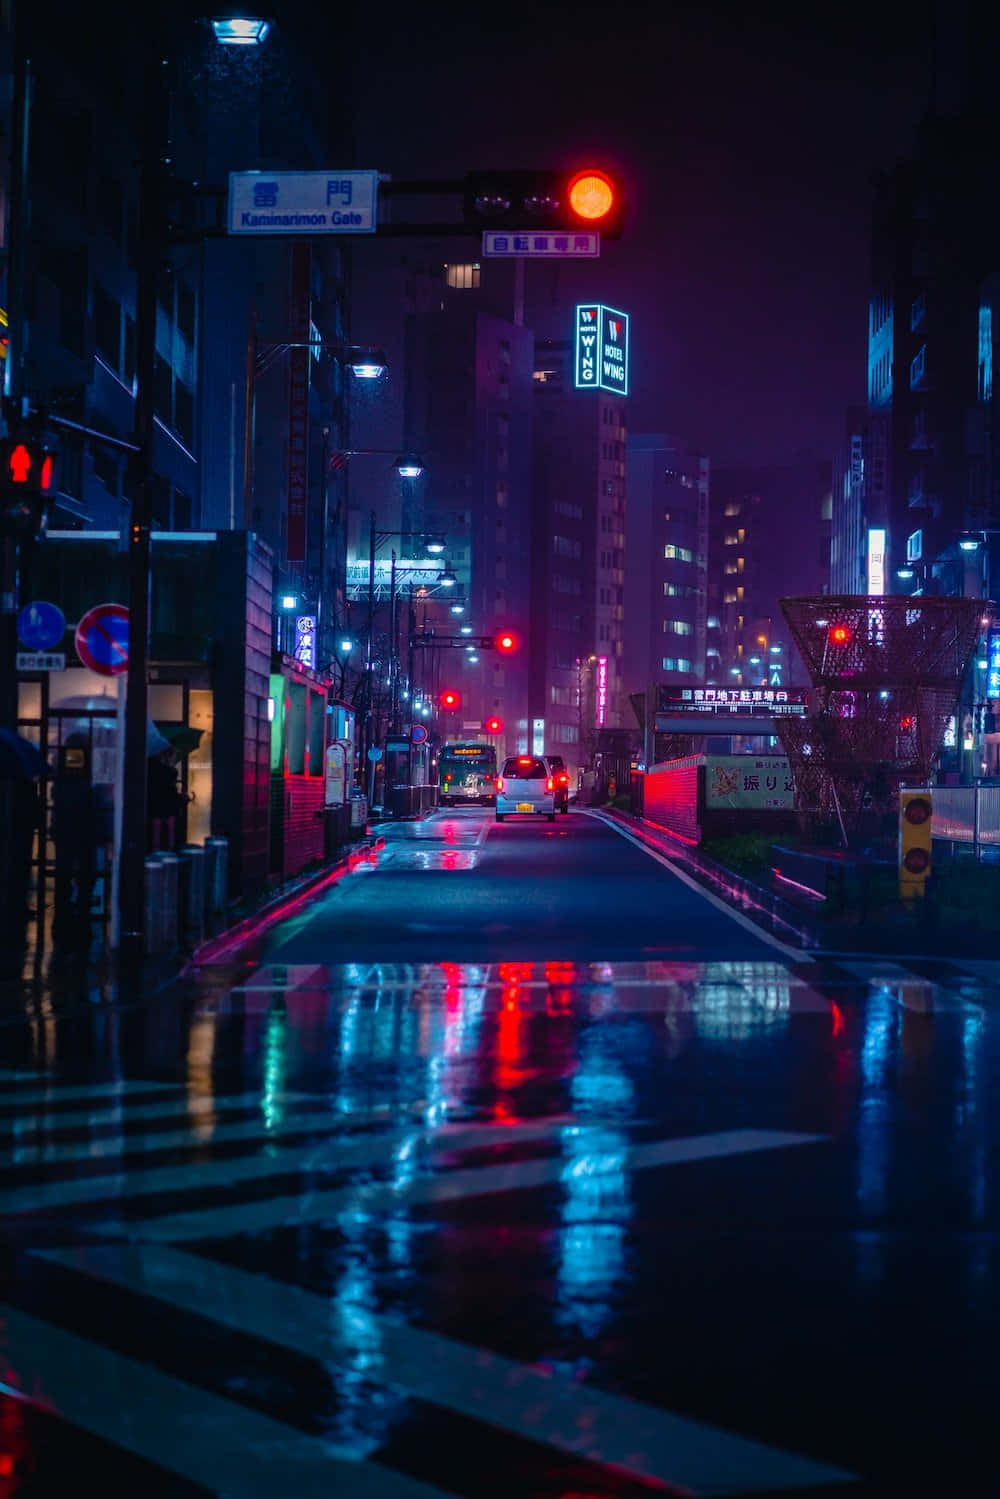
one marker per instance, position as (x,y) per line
(840,634)
(505,641)
(907,723)
(494,726)
(451,700)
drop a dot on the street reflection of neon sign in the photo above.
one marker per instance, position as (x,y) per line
(602,690)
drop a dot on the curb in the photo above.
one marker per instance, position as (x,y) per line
(229,941)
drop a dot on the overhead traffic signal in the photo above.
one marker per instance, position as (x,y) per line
(493,725)
(506,642)
(450,700)
(591,198)
(915,841)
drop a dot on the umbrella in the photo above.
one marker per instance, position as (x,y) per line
(182,737)
(20,760)
(102,709)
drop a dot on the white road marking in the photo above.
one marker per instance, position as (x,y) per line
(125,1113)
(387,1197)
(641,1440)
(321,1155)
(224,1446)
(55,1092)
(794,954)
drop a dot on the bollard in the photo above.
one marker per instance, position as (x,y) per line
(217,892)
(192,893)
(168,914)
(154,900)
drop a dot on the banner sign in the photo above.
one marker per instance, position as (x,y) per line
(759,783)
(768,702)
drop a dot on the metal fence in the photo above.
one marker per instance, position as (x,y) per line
(967,814)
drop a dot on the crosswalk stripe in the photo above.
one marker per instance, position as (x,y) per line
(199,1103)
(55,1092)
(313,1207)
(319,1155)
(191,1432)
(641,1440)
(112,1147)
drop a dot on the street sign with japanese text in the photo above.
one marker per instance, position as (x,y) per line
(993,664)
(761,783)
(546,244)
(331,202)
(41,661)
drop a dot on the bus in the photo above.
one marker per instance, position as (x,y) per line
(467,772)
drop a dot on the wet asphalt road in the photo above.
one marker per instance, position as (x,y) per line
(508,1165)
(462,887)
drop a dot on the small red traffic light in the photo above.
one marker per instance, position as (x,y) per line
(494,725)
(47,467)
(451,700)
(506,641)
(840,635)
(916,861)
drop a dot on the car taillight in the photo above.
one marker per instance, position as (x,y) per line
(550,784)
(499,783)
(564,778)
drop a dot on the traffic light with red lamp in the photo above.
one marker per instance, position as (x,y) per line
(27,483)
(493,725)
(506,642)
(450,701)
(591,198)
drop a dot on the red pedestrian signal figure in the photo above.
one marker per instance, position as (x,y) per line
(19,464)
(451,700)
(26,466)
(493,725)
(506,642)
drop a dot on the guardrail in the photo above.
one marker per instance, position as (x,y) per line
(966,814)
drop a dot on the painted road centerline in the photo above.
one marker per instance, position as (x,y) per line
(379,1197)
(225,1447)
(631,1437)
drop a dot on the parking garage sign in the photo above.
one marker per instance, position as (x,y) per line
(303,202)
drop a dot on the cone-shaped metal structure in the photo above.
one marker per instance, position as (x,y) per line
(887,673)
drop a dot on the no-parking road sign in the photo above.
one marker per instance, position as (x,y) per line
(102,639)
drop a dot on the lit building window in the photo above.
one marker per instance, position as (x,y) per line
(677,554)
(677,627)
(462,277)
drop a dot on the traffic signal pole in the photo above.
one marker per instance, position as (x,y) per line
(131,874)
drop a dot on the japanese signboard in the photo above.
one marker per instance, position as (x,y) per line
(769,702)
(761,783)
(501,242)
(601,693)
(302,202)
(993,664)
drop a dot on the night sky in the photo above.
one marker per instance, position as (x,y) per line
(749,142)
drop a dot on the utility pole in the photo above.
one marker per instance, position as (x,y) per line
(131,875)
(369,662)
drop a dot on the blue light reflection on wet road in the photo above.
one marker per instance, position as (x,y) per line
(518,1193)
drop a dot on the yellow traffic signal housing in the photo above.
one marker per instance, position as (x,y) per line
(914,842)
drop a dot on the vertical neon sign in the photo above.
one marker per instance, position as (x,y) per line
(602,690)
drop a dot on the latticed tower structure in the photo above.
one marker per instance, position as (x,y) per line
(886,675)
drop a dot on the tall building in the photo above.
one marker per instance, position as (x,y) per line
(577,638)
(666,563)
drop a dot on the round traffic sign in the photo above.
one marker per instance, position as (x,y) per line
(40,626)
(374,753)
(102,639)
(418,733)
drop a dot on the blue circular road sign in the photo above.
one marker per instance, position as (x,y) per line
(417,733)
(40,626)
(102,639)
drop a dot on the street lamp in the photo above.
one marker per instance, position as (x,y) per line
(240,31)
(409,466)
(434,544)
(447,578)
(366,364)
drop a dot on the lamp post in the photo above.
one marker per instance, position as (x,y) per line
(152,241)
